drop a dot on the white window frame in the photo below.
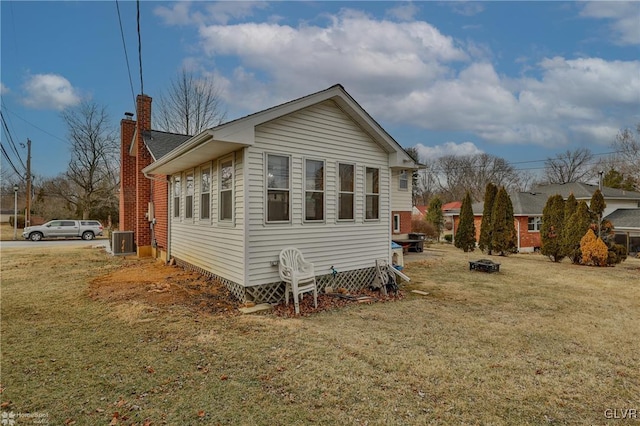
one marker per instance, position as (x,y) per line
(205,168)
(222,161)
(403,177)
(536,221)
(323,191)
(177,187)
(371,194)
(396,223)
(340,192)
(189,204)
(267,188)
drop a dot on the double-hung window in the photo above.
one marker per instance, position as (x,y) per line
(177,189)
(278,188)
(314,190)
(205,192)
(346,191)
(188,202)
(372,193)
(403,180)
(226,189)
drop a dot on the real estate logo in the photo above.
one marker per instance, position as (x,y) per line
(8,419)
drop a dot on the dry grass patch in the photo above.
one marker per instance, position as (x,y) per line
(537,343)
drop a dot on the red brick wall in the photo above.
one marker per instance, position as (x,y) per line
(161,204)
(143,185)
(127,218)
(405,222)
(528,239)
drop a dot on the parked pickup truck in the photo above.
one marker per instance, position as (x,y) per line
(85,229)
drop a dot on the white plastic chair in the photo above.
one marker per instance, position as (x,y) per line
(298,275)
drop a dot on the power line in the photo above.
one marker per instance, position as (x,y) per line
(13,145)
(6,156)
(31,124)
(140,48)
(126,56)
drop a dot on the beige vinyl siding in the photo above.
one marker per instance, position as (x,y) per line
(321,132)
(400,198)
(215,246)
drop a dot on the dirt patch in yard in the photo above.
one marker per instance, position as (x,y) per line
(157,284)
(153,283)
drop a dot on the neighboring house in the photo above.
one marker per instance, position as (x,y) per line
(317,173)
(528,207)
(449,211)
(626,224)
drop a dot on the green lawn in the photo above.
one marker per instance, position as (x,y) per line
(538,343)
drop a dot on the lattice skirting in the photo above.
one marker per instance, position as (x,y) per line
(353,281)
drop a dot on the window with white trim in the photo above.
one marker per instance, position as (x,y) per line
(188,202)
(346,191)
(372,193)
(278,188)
(403,180)
(205,192)
(396,223)
(314,190)
(177,190)
(226,189)
(534,224)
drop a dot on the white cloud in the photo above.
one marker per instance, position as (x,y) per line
(404,12)
(466,8)
(447,148)
(625,17)
(219,12)
(178,14)
(49,91)
(4,89)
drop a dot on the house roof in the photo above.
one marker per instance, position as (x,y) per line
(454,205)
(160,144)
(422,209)
(584,191)
(625,218)
(524,204)
(238,133)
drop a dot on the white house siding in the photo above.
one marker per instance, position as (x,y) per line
(400,198)
(214,246)
(321,132)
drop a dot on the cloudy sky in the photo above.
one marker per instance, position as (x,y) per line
(521,80)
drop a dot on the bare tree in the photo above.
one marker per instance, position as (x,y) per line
(627,156)
(190,105)
(455,175)
(91,179)
(571,166)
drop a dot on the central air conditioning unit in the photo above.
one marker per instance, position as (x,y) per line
(122,243)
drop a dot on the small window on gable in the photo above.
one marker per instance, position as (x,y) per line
(205,192)
(226,189)
(372,196)
(346,191)
(188,203)
(177,190)
(404,180)
(314,190)
(278,182)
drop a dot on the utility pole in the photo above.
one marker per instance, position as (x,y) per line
(27,215)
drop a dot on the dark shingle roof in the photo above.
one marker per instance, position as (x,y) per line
(161,143)
(625,218)
(524,204)
(584,191)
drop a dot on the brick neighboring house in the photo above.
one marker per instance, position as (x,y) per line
(528,207)
(144,200)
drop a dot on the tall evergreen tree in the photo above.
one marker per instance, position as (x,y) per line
(551,229)
(466,233)
(503,231)
(570,206)
(597,206)
(485,228)
(575,227)
(435,216)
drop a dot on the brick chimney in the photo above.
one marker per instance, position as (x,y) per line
(127,217)
(143,185)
